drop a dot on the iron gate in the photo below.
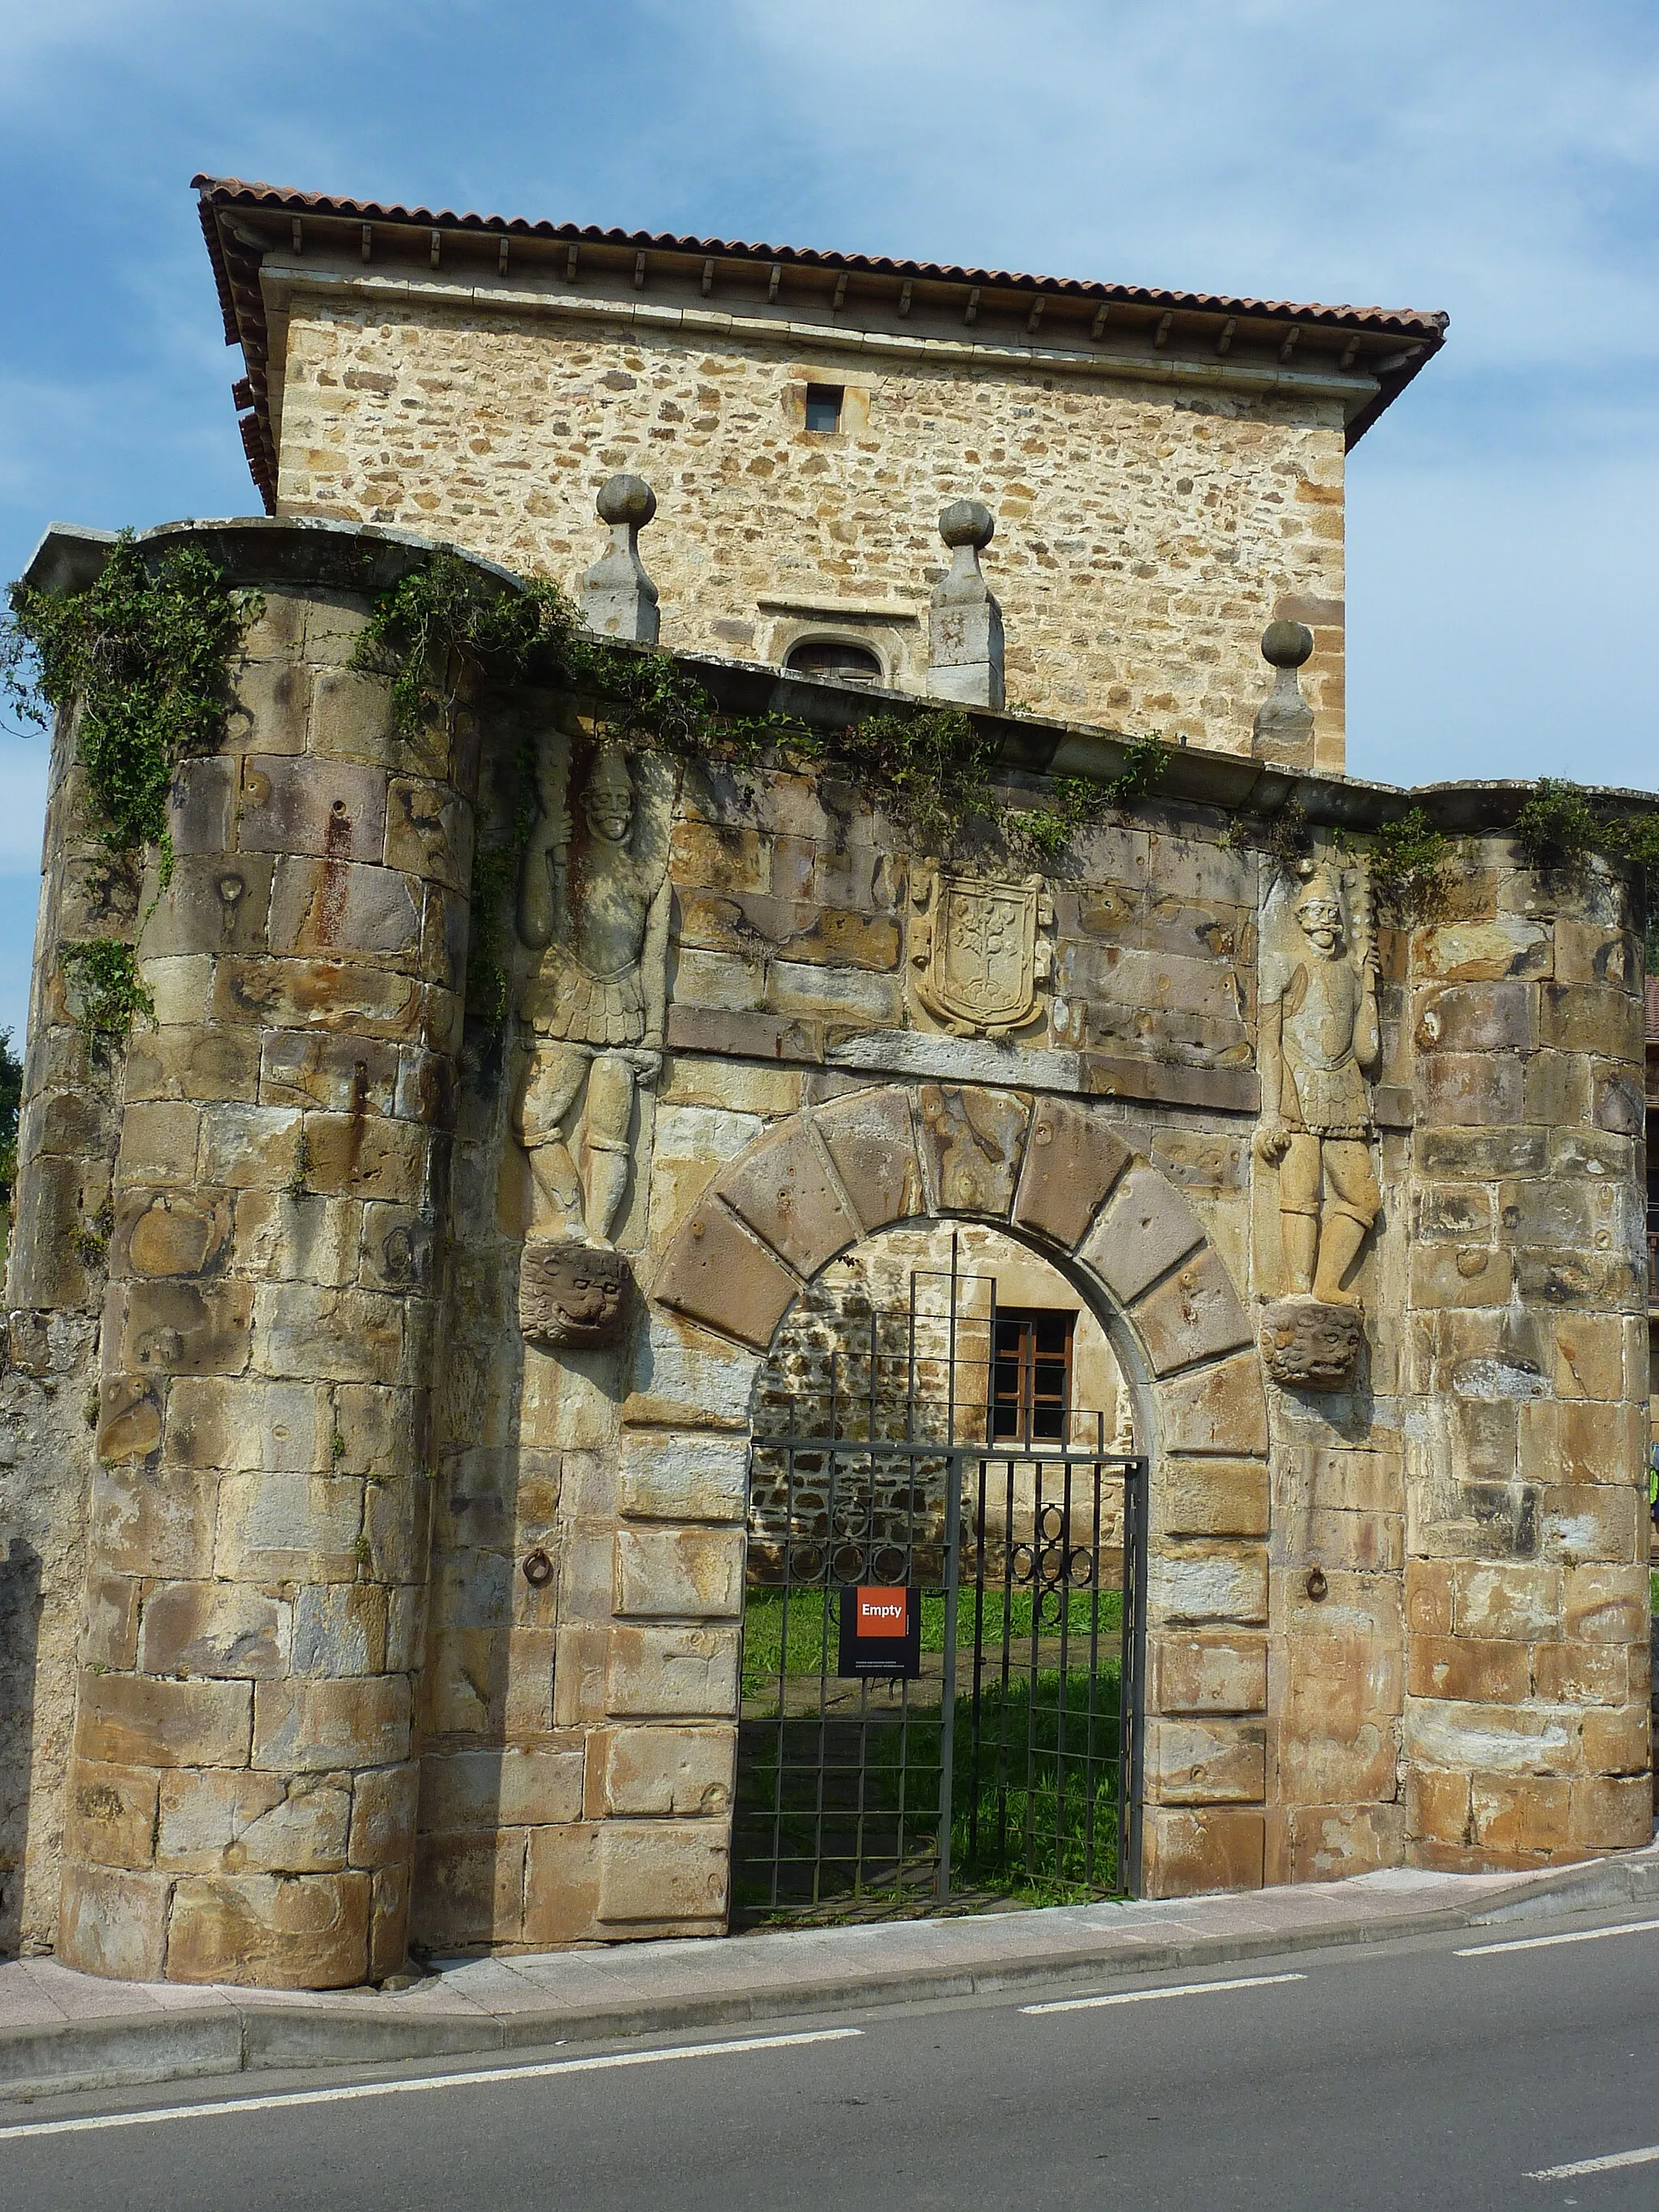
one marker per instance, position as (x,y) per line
(997,1752)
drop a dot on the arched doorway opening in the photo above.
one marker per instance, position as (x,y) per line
(944,1616)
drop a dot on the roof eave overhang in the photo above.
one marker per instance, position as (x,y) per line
(1383,349)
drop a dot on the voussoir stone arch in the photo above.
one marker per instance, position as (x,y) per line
(1058,1175)
(1053,1171)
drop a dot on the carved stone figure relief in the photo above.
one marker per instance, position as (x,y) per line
(977,954)
(594,900)
(1318,1039)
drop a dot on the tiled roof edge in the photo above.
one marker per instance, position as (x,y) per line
(234,191)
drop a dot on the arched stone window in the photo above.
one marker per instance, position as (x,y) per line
(837,658)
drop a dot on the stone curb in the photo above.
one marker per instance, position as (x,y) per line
(242,2035)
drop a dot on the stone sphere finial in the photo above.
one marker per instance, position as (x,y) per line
(967,522)
(626,499)
(1287,644)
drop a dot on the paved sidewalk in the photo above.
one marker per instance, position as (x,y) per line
(61,2031)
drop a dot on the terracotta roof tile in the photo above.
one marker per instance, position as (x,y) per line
(233,192)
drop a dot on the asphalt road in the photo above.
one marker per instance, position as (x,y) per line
(1402,2075)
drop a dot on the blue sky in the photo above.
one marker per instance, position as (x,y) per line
(1497,158)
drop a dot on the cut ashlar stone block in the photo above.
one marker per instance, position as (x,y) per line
(678,1574)
(1145,1229)
(1194,1315)
(1189,1851)
(327,1727)
(871,1140)
(1585,1522)
(1210,1497)
(663,1870)
(244,1421)
(516,1786)
(1073,1161)
(687,1773)
(215,1629)
(212,1820)
(562,1884)
(1201,1672)
(346,997)
(113,1923)
(383,1801)
(316,1334)
(1512,1739)
(718,1275)
(676,1673)
(288,1526)
(1205,1762)
(682,1474)
(1200,1584)
(1223,1409)
(141,1720)
(185,1328)
(1469,1668)
(291,1931)
(335,810)
(784,1189)
(110,1814)
(1329,1843)
(1611,1812)
(152,1523)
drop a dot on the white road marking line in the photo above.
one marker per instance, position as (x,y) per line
(552,2067)
(1180,1990)
(1548,1943)
(1596,2164)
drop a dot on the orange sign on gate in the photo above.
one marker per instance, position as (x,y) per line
(883,1612)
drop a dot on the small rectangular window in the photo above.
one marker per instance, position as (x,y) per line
(1032,1375)
(823,406)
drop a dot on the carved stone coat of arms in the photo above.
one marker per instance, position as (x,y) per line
(976,951)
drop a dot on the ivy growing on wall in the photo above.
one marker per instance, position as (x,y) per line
(1562,825)
(11,1100)
(932,769)
(146,653)
(1409,860)
(107,992)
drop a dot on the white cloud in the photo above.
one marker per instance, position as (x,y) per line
(1494,158)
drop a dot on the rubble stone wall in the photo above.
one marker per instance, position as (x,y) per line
(1144,539)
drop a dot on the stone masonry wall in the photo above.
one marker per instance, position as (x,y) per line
(1144,540)
(68,1133)
(355,1541)
(240,1803)
(1525,1354)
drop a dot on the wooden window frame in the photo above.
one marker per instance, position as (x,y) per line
(1026,1408)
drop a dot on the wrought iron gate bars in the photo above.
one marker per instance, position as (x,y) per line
(1128,1756)
(962,1463)
(954,1458)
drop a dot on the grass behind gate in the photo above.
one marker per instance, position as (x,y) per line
(1034,1815)
(813,1629)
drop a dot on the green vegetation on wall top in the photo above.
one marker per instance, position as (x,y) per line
(931,767)
(146,654)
